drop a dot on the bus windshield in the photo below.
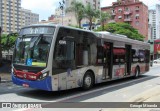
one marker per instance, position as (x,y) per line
(32,50)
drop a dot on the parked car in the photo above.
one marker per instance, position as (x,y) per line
(157,60)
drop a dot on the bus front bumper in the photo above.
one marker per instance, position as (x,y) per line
(44,84)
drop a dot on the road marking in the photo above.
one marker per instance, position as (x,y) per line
(96,90)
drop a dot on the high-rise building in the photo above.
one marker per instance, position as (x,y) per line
(157,21)
(10,17)
(132,12)
(29,17)
(94,3)
(152,24)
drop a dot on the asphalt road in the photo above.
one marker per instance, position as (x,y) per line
(115,91)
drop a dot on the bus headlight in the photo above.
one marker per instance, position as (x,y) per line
(42,76)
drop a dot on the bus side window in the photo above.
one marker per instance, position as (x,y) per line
(119,56)
(141,56)
(64,54)
(147,53)
(134,56)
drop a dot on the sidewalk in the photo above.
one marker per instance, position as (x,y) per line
(151,95)
(5,77)
(5,74)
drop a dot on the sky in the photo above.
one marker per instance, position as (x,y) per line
(46,7)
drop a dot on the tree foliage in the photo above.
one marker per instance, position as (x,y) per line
(124,29)
(104,17)
(90,14)
(8,41)
(78,8)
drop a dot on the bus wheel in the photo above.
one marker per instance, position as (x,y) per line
(88,81)
(137,71)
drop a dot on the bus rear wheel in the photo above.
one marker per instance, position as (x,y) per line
(88,81)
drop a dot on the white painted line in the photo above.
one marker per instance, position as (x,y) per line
(96,90)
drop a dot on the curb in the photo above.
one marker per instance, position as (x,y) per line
(5,81)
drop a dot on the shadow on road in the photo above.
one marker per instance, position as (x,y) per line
(53,96)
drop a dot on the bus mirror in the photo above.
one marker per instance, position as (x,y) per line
(62,42)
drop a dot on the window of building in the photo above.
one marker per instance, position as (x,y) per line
(137,8)
(120,10)
(119,17)
(126,9)
(137,16)
(137,22)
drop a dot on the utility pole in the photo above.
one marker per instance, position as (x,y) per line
(0,51)
(62,4)
(0,47)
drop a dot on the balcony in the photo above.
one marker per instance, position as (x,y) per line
(128,19)
(127,12)
(136,9)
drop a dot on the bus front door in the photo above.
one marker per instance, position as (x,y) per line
(107,72)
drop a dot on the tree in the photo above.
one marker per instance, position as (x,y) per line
(104,17)
(8,41)
(78,9)
(124,29)
(90,13)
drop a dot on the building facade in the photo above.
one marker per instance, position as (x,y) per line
(132,12)
(152,25)
(29,17)
(10,15)
(69,17)
(94,3)
(157,21)
(13,17)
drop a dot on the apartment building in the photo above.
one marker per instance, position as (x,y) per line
(29,17)
(132,12)
(152,24)
(10,15)
(94,3)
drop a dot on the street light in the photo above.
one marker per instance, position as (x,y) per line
(62,8)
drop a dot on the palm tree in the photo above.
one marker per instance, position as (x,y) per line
(78,9)
(91,13)
(104,17)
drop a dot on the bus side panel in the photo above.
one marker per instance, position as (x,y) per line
(99,73)
(74,78)
(133,68)
(55,82)
(118,71)
(142,68)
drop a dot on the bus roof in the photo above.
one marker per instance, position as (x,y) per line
(120,38)
(102,34)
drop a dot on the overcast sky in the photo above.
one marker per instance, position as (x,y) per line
(46,7)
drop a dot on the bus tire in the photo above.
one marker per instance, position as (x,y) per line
(137,72)
(88,80)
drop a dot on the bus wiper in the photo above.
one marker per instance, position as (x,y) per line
(35,40)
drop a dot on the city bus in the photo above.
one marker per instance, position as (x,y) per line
(54,57)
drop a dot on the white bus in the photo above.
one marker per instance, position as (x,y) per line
(54,57)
